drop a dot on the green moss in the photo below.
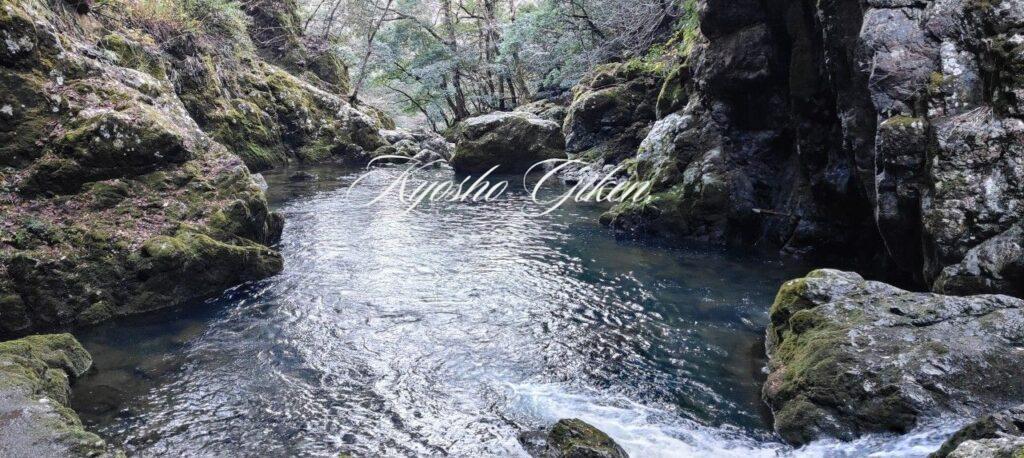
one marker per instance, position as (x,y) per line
(903,122)
(96,313)
(59,351)
(249,132)
(41,366)
(574,437)
(673,94)
(192,265)
(328,67)
(134,55)
(107,194)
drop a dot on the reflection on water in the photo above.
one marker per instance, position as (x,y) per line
(447,330)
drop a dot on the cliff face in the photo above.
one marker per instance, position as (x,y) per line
(885,129)
(124,145)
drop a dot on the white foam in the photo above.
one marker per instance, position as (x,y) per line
(648,432)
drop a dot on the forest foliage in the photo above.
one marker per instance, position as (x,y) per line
(444,60)
(435,62)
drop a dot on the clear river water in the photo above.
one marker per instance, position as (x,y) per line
(448,331)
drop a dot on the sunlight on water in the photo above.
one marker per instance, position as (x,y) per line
(450,330)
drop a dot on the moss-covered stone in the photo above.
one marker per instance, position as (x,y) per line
(35,373)
(574,438)
(849,356)
(511,141)
(133,54)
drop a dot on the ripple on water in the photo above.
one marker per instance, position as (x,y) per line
(449,330)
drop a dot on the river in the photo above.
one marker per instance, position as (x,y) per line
(449,330)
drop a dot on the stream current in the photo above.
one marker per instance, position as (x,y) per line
(449,330)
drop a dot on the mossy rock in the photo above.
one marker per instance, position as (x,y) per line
(328,67)
(849,357)
(512,141)
(134,55)
(35,373)
(673,95)
(574,438)
(190,265)
(109,145)
(251,133)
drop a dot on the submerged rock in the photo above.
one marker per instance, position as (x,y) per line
(849,356)
(1000,434)
(513,141)
(35,376)
(572,438)
(302,176)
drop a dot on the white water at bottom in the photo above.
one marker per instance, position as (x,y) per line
(646,432)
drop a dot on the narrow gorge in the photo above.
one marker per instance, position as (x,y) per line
(205,249)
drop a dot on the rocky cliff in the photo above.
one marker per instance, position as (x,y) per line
(126,143)
(887,130)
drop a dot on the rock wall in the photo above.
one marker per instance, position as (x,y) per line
(124,145)
(887,130)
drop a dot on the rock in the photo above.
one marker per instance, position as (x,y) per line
(512,141)
(35,420)
(572,438)
(849,356)
(429,157)
(884,133)
(412,144)
(1001,431)
(610,112)
(546,109)
(994,267)
(990,448)
(302,176)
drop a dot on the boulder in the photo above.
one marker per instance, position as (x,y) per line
(550,110)
(849,356)
(1003,447)
(572,438)
(512,141)
(417,144)
(611,112)
(35,420)
(994,435)
(994,267)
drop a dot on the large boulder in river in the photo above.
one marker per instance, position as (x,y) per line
(572,438)
(849,356)
(34,387)
(513,141)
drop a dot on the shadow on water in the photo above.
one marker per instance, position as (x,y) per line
(445,330)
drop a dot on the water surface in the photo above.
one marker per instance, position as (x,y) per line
(449,330)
